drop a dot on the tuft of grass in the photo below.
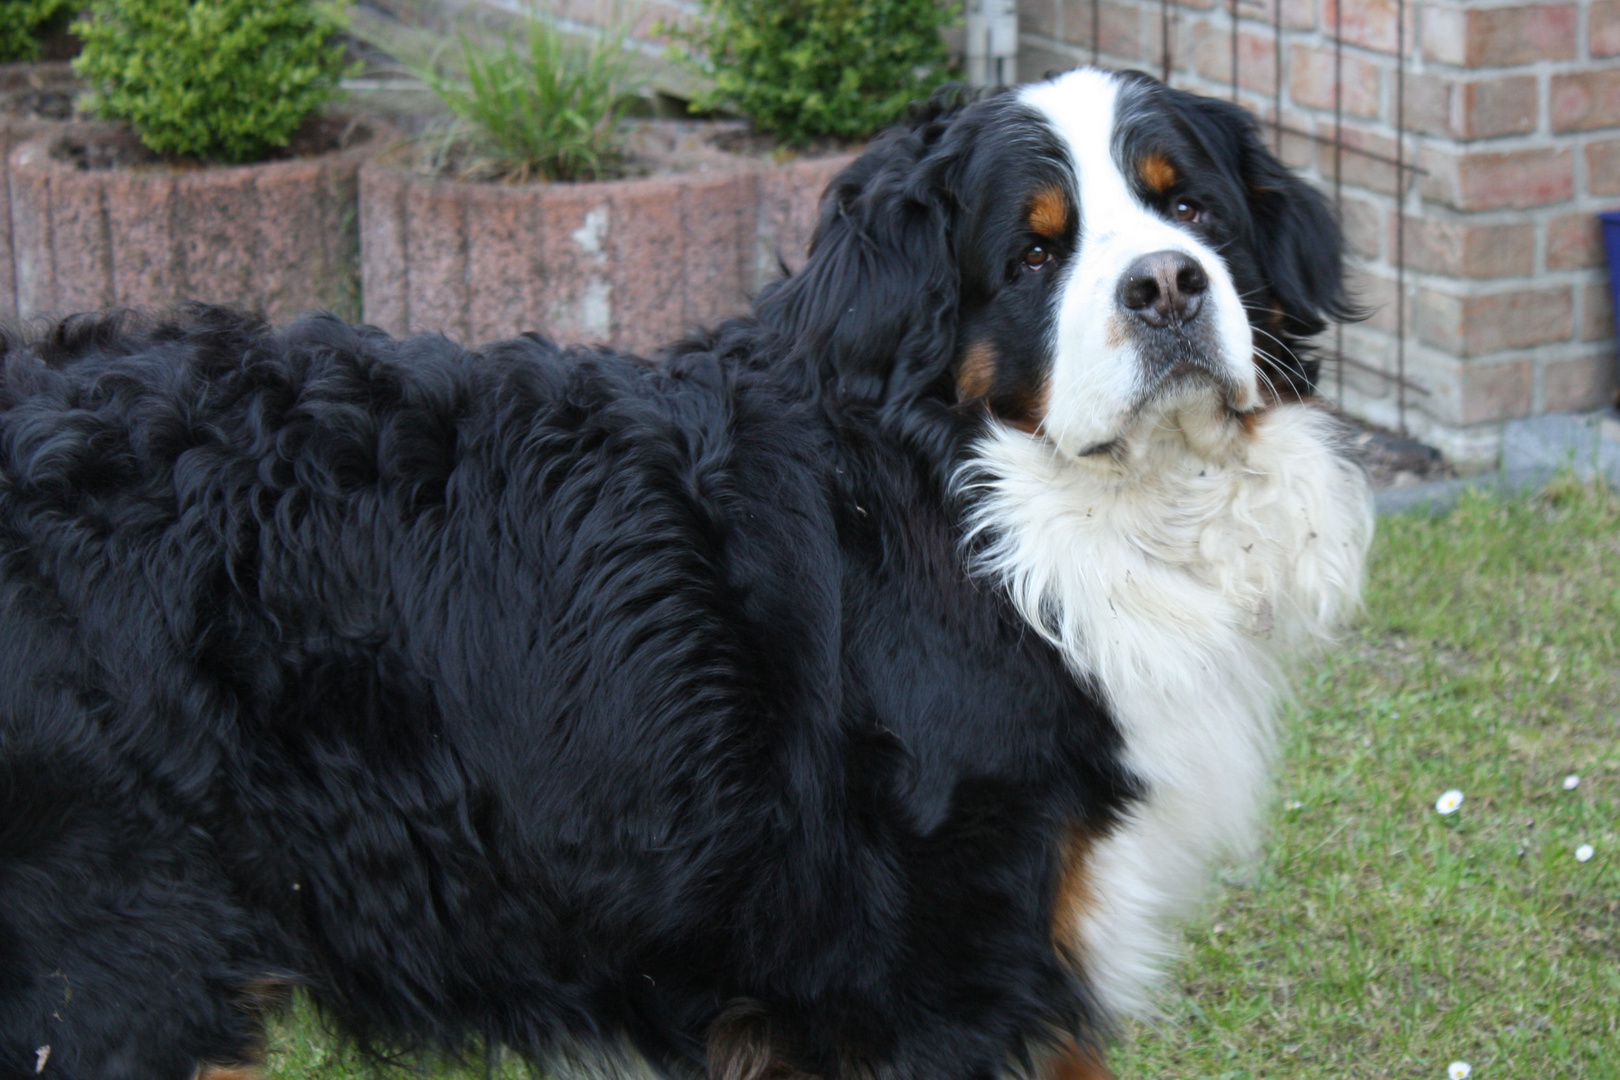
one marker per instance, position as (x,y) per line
(537,104)
(1379,938)
(301,1047)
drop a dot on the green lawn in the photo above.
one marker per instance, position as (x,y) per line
(1379,938)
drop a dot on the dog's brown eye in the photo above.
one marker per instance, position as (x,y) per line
(1036,257)
(1188,211)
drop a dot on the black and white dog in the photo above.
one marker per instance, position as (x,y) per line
(859,691)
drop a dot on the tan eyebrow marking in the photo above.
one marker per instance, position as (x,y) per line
(977,374)
(1157,173)
(1049,212)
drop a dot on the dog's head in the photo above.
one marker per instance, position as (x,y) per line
(1077,257)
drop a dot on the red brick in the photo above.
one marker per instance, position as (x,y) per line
(1471,109)
(1597,312)
(1605,16)
(1041,17)
(1480,325)
(1462,248)
(1586,100)
(1492,37)
(1119,27)
(1428,103)
(1368,23)
(1578,385)
(1376,295)
(1297,14)
(1367,157)
(1298,147)
(1512,180)
(1212,57)
(1500,106)
(1603,168)
(1311,78)
(1494,391)
(1365,225)
(1574,242)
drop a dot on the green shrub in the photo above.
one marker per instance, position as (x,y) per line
(539,104)
(21,22)
(807,69)
(221,80)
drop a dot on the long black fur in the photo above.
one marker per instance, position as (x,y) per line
(541,697)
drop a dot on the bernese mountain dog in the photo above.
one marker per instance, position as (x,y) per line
(859,690)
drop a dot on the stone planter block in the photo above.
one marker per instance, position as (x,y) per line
(278,238)
(633,264)
(12,132)
(15,78)
(789,204)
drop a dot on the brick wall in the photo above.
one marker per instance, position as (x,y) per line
(1512,114)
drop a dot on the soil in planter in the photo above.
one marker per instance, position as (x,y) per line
(318,135)
(648,147)
(37,92)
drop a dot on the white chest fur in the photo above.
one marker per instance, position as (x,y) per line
(1182,587)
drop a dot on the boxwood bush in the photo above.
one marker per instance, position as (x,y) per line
(21,23)
(809,69)
(220,80)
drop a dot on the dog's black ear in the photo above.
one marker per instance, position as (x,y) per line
(1295,230)
(874,306)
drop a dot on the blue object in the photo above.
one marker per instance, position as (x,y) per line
(1611,243)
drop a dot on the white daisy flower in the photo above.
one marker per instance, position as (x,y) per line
(1449,802)
(1571,782)
(1458,1070)
(1584,852)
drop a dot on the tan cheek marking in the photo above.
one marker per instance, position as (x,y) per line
(1073,897)
(1029,411)
(1049,213)
(230,1072)
(977,375)
(1071,1062)
(1157,173)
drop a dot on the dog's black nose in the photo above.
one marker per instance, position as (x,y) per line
(1163,289)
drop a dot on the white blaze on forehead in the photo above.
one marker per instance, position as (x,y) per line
(1097,375)
(1081,107)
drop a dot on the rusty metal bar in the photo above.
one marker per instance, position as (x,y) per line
(1358,151)
(1234,51)
(1400,212)
(1371,369)
(1277,74)
(1338,169)
(1164,41)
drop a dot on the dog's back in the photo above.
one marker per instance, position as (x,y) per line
(492,692)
